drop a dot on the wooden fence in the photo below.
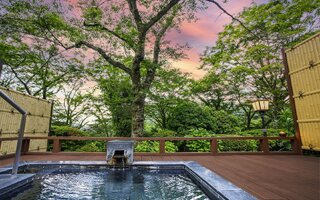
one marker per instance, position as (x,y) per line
(38,120)
(303,69)
(214,144)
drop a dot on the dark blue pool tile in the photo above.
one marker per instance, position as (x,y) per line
(5,170)
(10,182)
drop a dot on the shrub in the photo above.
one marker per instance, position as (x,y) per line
(91,147)
(225,122)
(164,133)
(189,115)
(258,132)
(198,145)
(279,145)
(238,145)
(153,146)
(68,131)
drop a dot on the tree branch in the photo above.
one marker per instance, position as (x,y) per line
(103,54)
(135,12)
(156,50)
(21,81)
(227,13)
(160,14)
(109,31)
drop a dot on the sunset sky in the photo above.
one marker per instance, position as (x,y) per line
(204,33)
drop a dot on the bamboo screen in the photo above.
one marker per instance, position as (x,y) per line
(304,72)
(38,121)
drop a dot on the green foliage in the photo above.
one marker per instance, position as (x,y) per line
(170,147)
(237,145)
(225,123)
(147,146)
(79,146)
(270,132)
(91,147)
(164,133)
(170,87)
(188,115)
(73,111)
(200,145)
(246,63)
(211,90)
(37,70)
(93,14)
(67,131)
(117,97)
(130,40)
(286,122)
(279,145)
(153,146)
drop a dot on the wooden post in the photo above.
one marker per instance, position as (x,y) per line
(264,146)
(214,146)
(292,103)
(56,145)
(294,146)
(162,146)
(25,146)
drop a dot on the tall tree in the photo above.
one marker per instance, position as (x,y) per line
(116,95)
(138,30)
(73,109)
(255,45)
(212,90)
(112,29)
(36,69)
(170,87)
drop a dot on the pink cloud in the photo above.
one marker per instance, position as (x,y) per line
(204,32)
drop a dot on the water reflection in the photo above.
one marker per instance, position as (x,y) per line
(114,184)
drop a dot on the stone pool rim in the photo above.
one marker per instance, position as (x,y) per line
(212,184)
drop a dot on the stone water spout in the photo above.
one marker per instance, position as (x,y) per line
(119,153)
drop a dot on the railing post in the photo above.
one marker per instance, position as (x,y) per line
(25,145)
(294,145)
(264,145)
(56,145)
(162,146)
(214,146)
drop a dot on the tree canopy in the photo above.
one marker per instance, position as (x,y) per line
(121,46)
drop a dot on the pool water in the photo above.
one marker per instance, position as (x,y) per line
(114,184)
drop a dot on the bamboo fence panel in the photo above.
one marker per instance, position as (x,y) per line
(38,121)
(304,71)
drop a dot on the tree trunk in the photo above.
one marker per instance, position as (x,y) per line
(248,121)
(138,116)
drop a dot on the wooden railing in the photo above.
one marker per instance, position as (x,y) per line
(214,149)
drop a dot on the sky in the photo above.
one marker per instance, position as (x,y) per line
(203,33)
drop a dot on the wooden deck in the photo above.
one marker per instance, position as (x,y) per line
(265,176)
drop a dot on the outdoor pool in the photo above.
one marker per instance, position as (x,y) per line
(142,180)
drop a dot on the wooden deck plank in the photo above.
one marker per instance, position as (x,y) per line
(266,176)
